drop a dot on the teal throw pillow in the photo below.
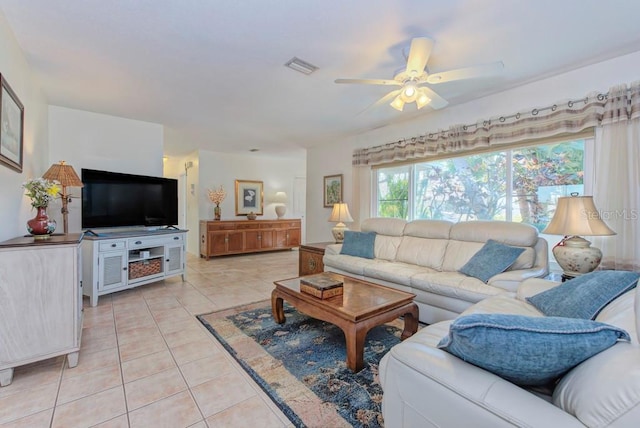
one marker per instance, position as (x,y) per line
(584,296)
(359,244)
(528,351)
(492,259)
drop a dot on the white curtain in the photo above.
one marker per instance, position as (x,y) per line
(616,178)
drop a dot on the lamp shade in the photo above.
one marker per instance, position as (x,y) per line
(280,197)
(577,215)
(340,213)
(63,174)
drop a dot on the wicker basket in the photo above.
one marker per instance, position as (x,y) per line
(145,268)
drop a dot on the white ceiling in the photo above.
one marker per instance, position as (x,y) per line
(213,72)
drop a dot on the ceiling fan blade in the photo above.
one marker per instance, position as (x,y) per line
(466,73)
(382,100)
(418,55)
(370,81)
(437,102)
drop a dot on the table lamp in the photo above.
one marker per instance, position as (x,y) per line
(67,177)
(577,215)
(280,198)
(340,214)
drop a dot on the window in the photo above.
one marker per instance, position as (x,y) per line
(393,192)
(477,187)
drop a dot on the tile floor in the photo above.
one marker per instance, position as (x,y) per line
(146,361)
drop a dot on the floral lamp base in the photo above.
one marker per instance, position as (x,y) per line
(338,232)
(576,256)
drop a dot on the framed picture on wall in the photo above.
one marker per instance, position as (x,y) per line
(249,197)
(332,189)
(11,127)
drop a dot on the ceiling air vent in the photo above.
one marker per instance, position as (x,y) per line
(303,67)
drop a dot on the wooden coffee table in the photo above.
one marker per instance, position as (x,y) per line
(363,306)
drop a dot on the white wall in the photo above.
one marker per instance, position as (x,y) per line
(212,169)
(336,158)
(97,141)
(15,208)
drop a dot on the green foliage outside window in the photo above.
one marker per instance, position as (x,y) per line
(393,194)
(475,187)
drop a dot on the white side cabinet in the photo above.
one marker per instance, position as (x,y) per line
(40,301)
(118,261)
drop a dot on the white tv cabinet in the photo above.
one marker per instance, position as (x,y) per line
(116,261)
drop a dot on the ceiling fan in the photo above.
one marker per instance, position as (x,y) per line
(415,77)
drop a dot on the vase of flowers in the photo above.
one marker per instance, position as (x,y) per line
(41,192)
(217,196)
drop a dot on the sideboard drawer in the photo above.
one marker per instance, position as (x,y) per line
(245,226)
(220,226)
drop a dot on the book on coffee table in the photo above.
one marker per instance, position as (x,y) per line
(323,285)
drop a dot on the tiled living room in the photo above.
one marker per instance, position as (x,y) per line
(465,173)
(146,361)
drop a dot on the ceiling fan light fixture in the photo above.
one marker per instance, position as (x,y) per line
(398,103)
(422,100)
(409,92)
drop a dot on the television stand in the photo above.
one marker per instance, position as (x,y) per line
(123,260)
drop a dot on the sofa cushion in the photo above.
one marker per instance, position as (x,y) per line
(431,229)
(454,285)
(389,235)
(351,264)
(509,233)
(621,313)
(604,390)
(384,226)
(503,304)
(387,247)
(526,260)
(528,351)
(492,259)
(422,251)
(396,272)
(359,244)
(458,253)
(584,296)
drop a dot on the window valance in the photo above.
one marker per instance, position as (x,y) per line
(562,118)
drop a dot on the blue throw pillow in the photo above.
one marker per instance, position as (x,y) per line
(492,259)
(528,351)
(584,296)
(359,244)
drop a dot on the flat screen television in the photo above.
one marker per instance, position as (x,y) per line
(112,199)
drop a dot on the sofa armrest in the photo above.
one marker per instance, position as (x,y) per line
(511,279)
(533,286)
(425,386)
(333,249)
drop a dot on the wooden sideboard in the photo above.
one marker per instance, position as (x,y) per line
(223,237)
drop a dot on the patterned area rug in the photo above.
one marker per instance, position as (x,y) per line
(301,364)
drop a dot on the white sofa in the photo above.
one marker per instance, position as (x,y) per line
(423,257)
(427,387)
